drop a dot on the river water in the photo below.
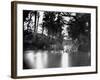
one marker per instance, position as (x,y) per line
(50,59)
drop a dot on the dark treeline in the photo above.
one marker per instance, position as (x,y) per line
(50,36)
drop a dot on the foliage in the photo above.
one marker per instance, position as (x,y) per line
(80,25)
(80,29)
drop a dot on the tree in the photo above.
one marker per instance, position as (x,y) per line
(36,20)
(53,22)
(80,25)
(80,29)
(48,22)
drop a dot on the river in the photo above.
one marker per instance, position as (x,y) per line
(50,59)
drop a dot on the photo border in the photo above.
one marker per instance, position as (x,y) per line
(14,37)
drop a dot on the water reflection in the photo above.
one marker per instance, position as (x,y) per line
(51,59)
(64,60)
(35,59)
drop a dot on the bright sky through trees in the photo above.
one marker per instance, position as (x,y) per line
(40,21)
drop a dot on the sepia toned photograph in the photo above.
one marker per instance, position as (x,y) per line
(52,39)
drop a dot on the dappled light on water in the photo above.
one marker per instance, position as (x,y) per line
(45,59)
(64,60)
(48,59)
(36,59)
(41,60)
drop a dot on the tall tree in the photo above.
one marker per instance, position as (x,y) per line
(80,29)
(80,25)
(53,22)
(35,20)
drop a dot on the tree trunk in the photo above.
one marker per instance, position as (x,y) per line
(42,30)
(37,22)
(35,13)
